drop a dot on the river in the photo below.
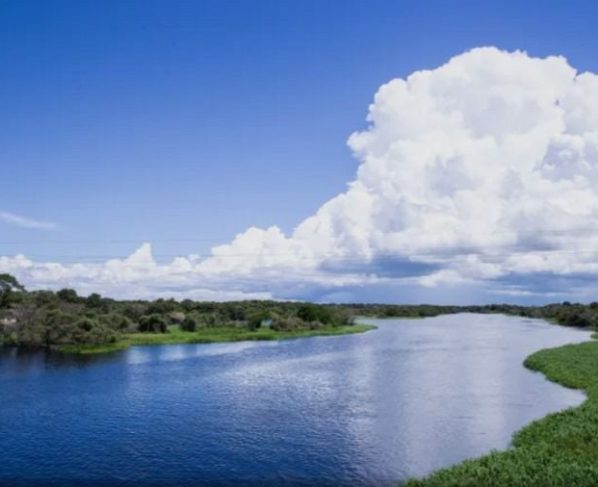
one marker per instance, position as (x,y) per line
(368,409)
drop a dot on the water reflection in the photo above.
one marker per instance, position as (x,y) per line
(366,409)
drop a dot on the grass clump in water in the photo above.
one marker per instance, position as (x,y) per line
(558,450)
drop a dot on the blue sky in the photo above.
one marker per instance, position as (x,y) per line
(185,123)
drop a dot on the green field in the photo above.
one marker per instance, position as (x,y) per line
(210,335)
(558,450)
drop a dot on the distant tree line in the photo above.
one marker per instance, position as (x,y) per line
(47,318)
(565,313)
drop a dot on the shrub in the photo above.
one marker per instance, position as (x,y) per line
(189,324)
(314,312)
(153,323)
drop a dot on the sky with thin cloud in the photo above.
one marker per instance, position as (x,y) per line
(467,180)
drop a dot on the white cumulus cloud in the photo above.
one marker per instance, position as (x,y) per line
(483,170)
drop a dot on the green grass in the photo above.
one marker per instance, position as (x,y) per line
(85,349)
(558,450)
(209,335)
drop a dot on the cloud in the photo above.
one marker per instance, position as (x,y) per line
(481,172)
(24,222)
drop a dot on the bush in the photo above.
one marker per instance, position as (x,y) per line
(286,323)
(117,321)
(163,306)
(153,323)
(254,320)
(189,324)
(68,295)
(314,312)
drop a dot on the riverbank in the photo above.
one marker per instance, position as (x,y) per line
(210,335)
(558,450)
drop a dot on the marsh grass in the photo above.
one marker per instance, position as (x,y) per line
(210,335)
(558,450)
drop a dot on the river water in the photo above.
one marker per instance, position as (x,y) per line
(368,409)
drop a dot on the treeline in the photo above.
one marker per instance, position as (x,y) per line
(398,310)
(566,313)
(46,318)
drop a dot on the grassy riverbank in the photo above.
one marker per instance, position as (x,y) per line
(210,335)
(558,450)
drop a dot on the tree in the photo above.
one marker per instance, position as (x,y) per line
(188,305)
(189,324)
(153,323)
(28,329)
(313,312)
(8,286)
(45,298)
(117,321)
(254,320)
(162,306)
(68,295)
(94,300)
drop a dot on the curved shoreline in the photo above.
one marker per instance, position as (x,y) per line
(209,335)
(560,449)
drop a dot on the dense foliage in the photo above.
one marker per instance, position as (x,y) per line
(46,318)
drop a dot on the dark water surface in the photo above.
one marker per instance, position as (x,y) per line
(365,409)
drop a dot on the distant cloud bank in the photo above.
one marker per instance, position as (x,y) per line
(479,174)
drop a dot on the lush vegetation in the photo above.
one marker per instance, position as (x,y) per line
(558,450)
(94,323)
(70,322)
